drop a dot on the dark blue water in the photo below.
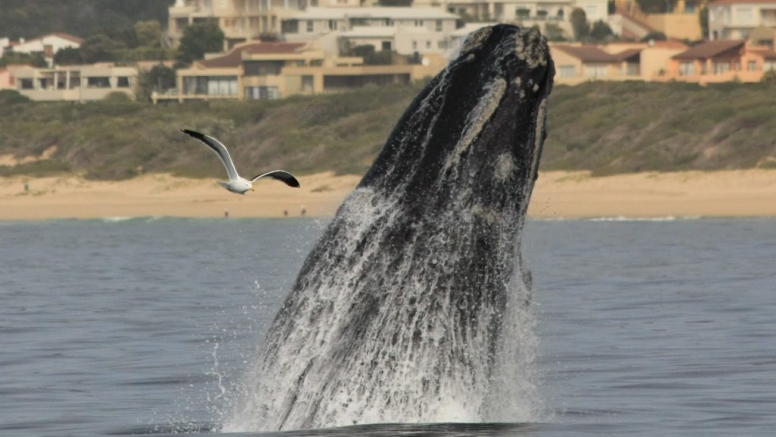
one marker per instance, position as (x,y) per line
(143,326)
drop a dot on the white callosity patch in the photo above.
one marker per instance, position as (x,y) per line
(477,119)
(531,47)
(476,39)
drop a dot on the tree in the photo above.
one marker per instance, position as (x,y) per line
(601,32)
(117,97)
(99,48)
(656,6)
(68,56)
(159,79)
(769,77)
(405,3)
(198,39)
(149,33)
(703,16)
(655,36)
(9,97)
(14,58)
(553,32)
(579,24)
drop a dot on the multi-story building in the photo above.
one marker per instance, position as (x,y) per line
(524,12)
(736,19)
(77,83)
(405,31)
(272,70)
(240,20)
(243,20)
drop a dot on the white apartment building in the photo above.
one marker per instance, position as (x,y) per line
(736,19)
(422,30)
(526,12)
(242,20)
(77,83)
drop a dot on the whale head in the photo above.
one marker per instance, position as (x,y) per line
(478,126)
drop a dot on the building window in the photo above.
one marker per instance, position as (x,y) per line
(438,25)
(210,85)
(428,45)
(442,45)
(686,69)
(332,24)
(26,84)
(414,45)
(307,83)
(769,65)
(289,26)
(309,26)
(595,70)
(262,68)
(207,4)
(98,82)
(567,71)
(123,82)
(386,45)
(721,67)
(262,93)
(418,23)
(387,22)
(751,65)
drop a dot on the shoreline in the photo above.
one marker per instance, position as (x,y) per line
(557,195)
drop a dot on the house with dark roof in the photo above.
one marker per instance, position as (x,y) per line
(273,70)
(721,61)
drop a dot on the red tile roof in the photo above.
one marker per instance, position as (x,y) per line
(710,49)
(670,44)
(587,53)
(234,57)
(626,54)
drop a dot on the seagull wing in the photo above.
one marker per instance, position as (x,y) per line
(219,149)
(280,175)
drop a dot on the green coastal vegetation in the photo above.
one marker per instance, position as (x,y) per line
(604,127)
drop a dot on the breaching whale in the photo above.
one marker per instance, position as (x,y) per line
(406,308)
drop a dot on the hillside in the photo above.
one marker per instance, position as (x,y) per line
(84,18)
(604,127)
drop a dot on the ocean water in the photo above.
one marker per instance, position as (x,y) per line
(144,326)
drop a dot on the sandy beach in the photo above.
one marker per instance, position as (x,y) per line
(558,195)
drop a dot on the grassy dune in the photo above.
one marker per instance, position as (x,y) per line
(604,127)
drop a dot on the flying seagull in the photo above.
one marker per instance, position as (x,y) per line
(236,183)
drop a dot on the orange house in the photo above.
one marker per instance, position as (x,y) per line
(721,61)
